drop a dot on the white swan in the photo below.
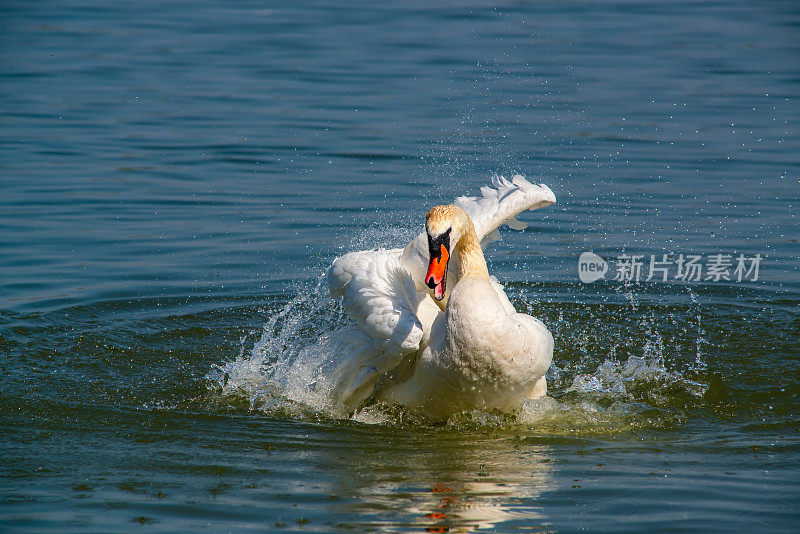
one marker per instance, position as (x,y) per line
(434,331)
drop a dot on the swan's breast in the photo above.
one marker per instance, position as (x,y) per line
(489,344)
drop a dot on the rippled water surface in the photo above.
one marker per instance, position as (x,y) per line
(177,176)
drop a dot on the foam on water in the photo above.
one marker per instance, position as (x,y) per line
(289,369)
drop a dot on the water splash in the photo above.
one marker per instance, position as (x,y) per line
(613,362)
(285,369)
(621,380)
(290,368)
(699,363)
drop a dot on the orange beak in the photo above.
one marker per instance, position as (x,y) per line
(437,272)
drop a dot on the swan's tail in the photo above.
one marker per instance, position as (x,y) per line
(501,203)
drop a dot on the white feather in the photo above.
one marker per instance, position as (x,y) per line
(384,293)
(500,204)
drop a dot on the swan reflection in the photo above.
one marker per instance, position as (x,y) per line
(454,482)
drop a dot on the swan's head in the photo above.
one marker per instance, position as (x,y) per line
(444,225)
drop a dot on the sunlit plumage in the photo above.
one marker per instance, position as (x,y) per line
(469,350)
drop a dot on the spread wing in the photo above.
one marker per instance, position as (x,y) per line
(501,203)
(379,294)
(382,290)
(497,206)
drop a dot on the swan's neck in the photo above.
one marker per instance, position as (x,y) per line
(471,262)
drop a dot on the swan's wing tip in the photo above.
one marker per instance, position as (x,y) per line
(549,197)
(501,202)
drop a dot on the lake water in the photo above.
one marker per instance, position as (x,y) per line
(177,176)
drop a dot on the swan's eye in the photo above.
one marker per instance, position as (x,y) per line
(435,243)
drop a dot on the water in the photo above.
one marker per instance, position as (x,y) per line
(176,178)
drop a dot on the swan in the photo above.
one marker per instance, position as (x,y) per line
(432,330)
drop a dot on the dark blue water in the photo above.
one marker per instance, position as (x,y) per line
(175,179)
